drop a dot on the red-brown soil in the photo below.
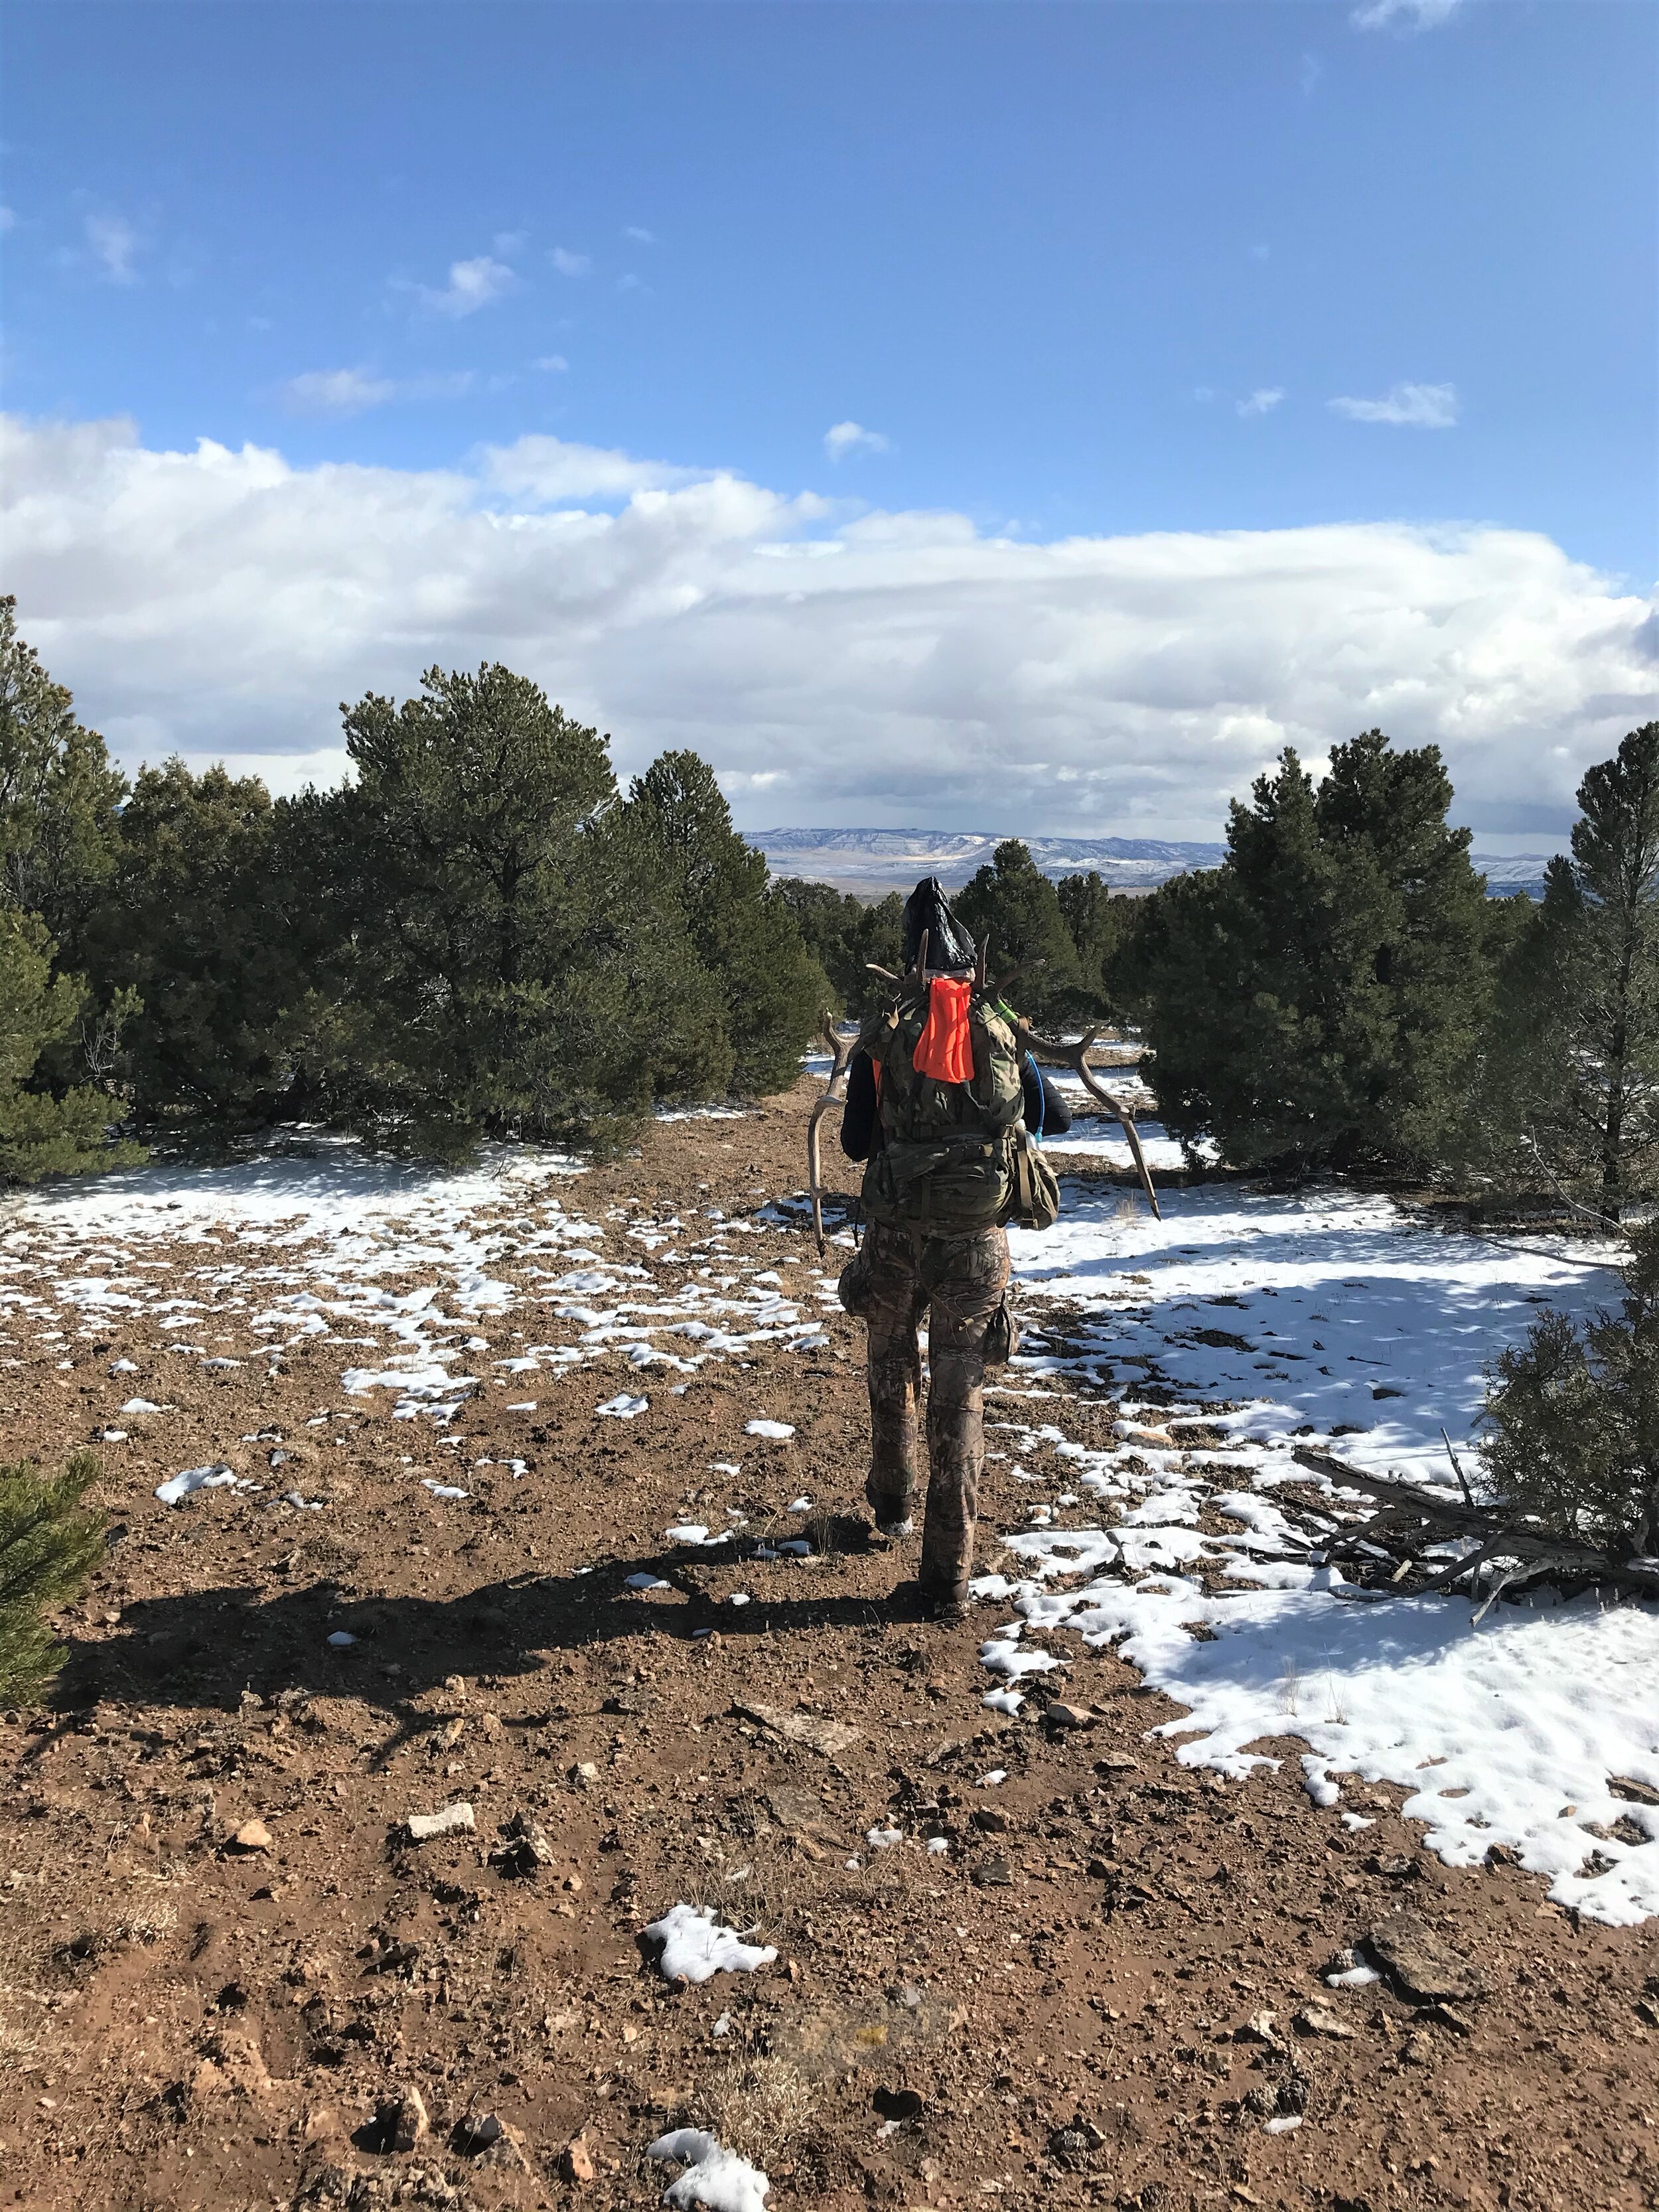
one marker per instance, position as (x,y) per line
(185,2023)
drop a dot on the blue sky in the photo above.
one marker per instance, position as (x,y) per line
(1106,269)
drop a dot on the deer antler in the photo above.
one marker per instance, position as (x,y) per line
(1076,1057)
(840,1055)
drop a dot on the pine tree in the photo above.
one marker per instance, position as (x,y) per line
(507,958)
(1572,1419)
(197,928)
(1012,906)
(845,934)
(49,1542)
(1096,924)
(1318,999)
(745,932)
(1574,1061)
(59,797)
(40,1133)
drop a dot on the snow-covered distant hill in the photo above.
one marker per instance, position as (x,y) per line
(880,860)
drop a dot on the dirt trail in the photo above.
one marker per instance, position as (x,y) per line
(1067,2000)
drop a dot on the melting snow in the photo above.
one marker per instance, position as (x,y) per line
(695,1946)
(713,2176)
(1310,1314)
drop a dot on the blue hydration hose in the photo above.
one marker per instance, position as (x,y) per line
(1043,1102)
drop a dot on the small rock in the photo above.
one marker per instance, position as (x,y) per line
(526,1849)
(1260,2027)
(993,1874)
(252,1836)
(1061,1716)
(450,1821)
(403,2119)
(1423,1964)
(988,1818)
(576,2162)
(1074,2146)
(1635,1793)
(1316,2020)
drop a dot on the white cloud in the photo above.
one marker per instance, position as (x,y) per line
(112,242)
(337,391)
(554,363)
(641,237)
(1411,14)
(553,471)
(472,284)
(844,438)
(1262,401)
(890,669)
(569,263)
(1412,406)
(353,391)
(7,219)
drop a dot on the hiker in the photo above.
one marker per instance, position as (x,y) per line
(940,1106)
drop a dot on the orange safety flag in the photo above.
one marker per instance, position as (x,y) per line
(945,1050)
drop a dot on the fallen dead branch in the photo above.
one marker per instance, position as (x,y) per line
(1413,1520)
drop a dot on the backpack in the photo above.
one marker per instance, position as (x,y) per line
(949,1165)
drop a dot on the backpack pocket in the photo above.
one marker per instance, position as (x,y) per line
(1002,1336)
(1035,1202)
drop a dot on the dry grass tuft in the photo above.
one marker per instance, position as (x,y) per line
(758,2106)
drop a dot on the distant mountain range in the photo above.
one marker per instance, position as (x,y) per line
(882,860)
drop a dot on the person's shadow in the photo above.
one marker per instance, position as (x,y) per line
(208,1647)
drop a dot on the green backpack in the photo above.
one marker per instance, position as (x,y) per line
(950,1162)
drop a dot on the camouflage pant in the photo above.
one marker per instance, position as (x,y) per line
(958,1283)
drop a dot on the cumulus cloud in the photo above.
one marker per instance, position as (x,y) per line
(886,668)
(1409,15)
(1412,406)
(844,438)
(569,263)
(112,243)
(472,284)
(1261,401)
(641,237)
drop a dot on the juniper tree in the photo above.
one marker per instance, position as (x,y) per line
(845,934)
(505,956)
(1318,1000)
(1572,1419)
(1011,904)
(1574,1058)
(1096,924)
(59,799)
(201,926)
(746,934)
(49,1542)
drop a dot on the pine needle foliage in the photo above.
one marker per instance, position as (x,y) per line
(49,1542)
(1317,1000)
(844,934)
(1572,1417)
(1012,905)
(1573,1081)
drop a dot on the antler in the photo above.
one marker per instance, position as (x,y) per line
(1076,1057)
(840,1054)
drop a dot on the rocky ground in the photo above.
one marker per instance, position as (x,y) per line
(231,1977)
